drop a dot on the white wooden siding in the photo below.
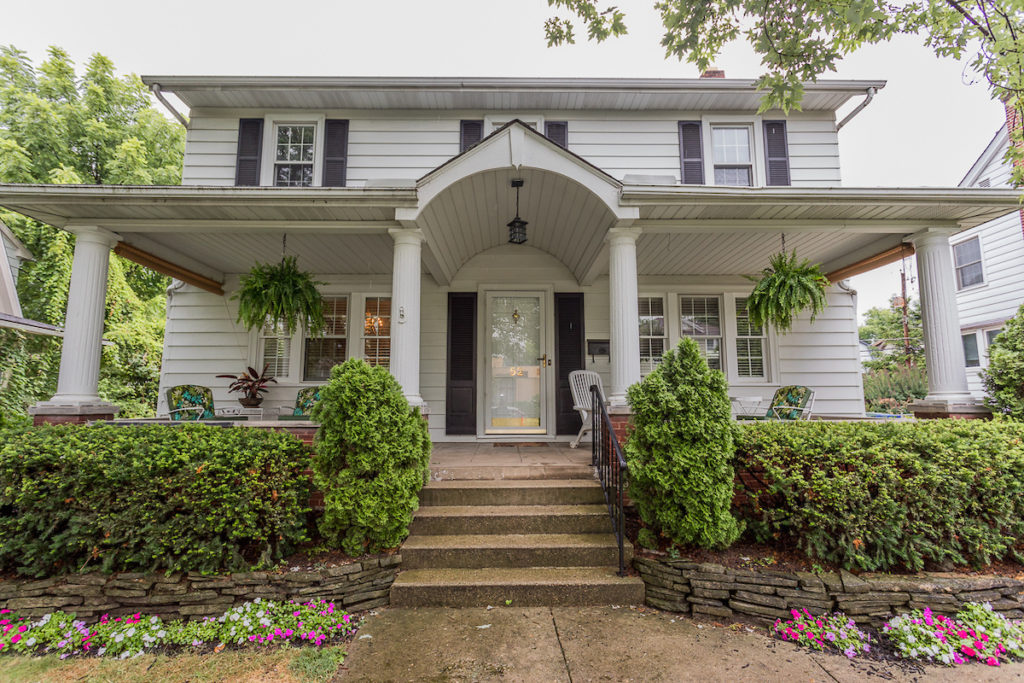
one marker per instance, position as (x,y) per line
(986,306)
(402,145)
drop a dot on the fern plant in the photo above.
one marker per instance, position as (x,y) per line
(785,289)
(282,297)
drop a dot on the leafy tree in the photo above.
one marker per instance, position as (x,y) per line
(883,328)
(1004,377)
(99,128)
(801,40)
(680,451)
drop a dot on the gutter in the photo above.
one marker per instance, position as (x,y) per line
(869,95)
(155,89)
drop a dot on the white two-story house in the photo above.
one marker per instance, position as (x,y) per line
(645,202)
(988,262)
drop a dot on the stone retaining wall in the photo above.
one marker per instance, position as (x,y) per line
(358,586)
(713,590)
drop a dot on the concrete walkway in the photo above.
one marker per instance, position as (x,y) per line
(577,645)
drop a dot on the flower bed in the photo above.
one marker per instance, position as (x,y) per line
(255,623)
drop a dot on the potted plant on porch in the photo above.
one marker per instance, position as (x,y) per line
(280,296)
(784,289)
(252,384)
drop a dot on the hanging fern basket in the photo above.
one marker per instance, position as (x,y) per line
(281,297)
(786,288)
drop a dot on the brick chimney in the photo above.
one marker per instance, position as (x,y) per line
(713,72)
(1013,122)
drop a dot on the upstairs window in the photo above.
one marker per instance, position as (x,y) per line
(294,152)
(652,332)
(700,319)
(731,152)
(967,263)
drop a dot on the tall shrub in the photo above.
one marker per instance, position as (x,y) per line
(679,452)
(889,391)
(372,458)
(1004,377)
(189,498)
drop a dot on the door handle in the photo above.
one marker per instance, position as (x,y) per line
(544,361)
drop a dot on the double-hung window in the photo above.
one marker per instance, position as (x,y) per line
(652,332)
(751,344)
(377,331)
(294,154)
(972,358)
(732,155)
(967,263)
(324,352)
(700,318)
(277,351)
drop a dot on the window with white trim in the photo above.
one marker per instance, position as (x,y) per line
(277,351)
(971,356)
(967,263)
(377,331)
(751,344)
(294,154)
(732,155)
(322,353)
(652,332)
(700,319)
(990,336)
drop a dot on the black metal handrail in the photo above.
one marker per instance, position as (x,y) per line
(611,468)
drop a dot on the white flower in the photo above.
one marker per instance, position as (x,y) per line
(161,634)
(119,637)
(124,655)
(153,619)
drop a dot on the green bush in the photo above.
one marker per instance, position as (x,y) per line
(889,391)
(1004,377)
(372,458)
(189,498)
(679,452)
(882,496)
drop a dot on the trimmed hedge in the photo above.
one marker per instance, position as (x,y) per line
(880,496)
(184,498)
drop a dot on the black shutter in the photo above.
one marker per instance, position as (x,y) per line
(335,152)
(776,152)
(691,153)
(250,150)
(568,357)
(472,132)
(460,394)
(557,132)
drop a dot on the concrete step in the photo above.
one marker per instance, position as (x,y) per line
(511,519)
(525,587)
(505,492)
(475,551)
(509,472)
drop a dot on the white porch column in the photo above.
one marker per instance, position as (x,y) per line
(78,382)
(944,352)
(625,329)
(405,313)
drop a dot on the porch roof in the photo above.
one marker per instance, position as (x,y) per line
(214,231)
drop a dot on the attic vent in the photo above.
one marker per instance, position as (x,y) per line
(984,182)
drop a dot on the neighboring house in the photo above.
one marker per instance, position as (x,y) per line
(12,255)
(646,203)
(988,262)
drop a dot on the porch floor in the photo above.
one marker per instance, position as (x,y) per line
(483,461)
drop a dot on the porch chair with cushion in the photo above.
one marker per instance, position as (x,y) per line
(580,382)
(791,402)
(191,402)
(305,399)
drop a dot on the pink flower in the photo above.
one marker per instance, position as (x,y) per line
(928,616)
(15,638)
(968,651)
(992,661)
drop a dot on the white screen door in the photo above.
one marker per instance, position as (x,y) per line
(516,364)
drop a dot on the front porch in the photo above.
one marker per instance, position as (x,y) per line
(481,333)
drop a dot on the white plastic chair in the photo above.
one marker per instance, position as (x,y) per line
(580,382)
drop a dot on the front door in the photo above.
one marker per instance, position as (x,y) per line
(517,364)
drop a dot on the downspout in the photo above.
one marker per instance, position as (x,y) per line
(870,95)
(155,89)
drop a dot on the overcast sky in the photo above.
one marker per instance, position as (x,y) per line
(925,128)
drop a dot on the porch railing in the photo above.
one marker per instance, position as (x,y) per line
(611,468)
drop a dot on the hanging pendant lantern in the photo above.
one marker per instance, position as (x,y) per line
(517,226)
